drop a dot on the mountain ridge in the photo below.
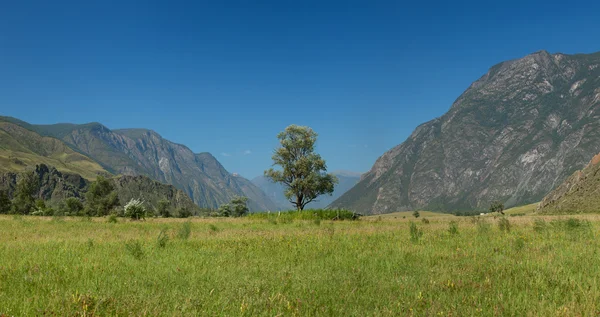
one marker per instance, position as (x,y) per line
(513,135)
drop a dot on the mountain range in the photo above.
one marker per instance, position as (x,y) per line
(514,135)
(91,149)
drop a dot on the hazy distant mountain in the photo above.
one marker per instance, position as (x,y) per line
(513,135)
(275,191)
(145,152)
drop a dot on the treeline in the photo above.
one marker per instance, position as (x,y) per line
(101,199)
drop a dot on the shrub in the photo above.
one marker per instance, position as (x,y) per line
(183,212)
(308,214)
(185,231)
(453,227)
(101,198)
(135,248)
(163,208)
(163,238)
(415,232)
(425,220)
(72,206)
(504,224)
(213,228)
(112,218)
(135,209)
(416,214)
(5,204)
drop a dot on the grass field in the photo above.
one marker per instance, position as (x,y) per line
(451,266)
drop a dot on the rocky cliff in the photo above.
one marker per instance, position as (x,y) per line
(513,135)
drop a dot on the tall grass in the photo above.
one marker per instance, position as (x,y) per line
(340,268)
(310,214)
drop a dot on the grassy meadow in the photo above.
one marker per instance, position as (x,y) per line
(388,266)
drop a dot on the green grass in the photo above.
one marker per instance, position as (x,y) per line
(246,267)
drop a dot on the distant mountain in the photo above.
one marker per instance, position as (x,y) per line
(275,191)
(55,186)
(580,193)
(513,135)
(145,152)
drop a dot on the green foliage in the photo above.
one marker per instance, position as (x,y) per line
(5,204)
(236,208)
(71,207)
(135,209)
(308,214)
(184,212)
(416,214)
(504,224)
(185,231)
(112,218)
(425,220)
(41,209)
(163,208)
(101,198)
(415,232)
(497,206)
(453,227)
(303,172)
(27,185)
(163,238)
(135,249)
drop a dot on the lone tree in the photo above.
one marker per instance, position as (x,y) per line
(497,206)
(303,172)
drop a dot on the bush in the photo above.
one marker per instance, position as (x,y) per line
(5,204)
(453,227)
(185,231)
(135,248)
(183,212)
(425,220)
(72,206)
(163,208)
(308,214)
(416,214)
(112,218)
(135,209)
(236,208)
(163,238)
(415,232)
(504,224)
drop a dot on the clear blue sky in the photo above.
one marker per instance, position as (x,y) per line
(227,76)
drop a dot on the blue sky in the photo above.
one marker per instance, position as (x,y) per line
(227,76)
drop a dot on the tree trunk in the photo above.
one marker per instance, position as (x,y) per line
(299,203)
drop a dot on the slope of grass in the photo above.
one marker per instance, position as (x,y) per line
(248,267)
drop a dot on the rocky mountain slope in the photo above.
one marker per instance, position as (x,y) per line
(55,186)
(20,148)
(275,191)
(580,193)
(513,135)
(145,152)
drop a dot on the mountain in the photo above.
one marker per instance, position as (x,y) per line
(513,135)
(55,186)
(145,152)
(580,193)
(275,191)
(20,148)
